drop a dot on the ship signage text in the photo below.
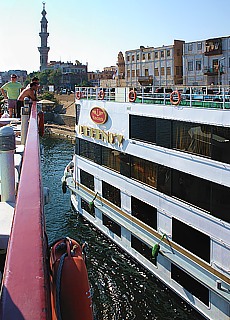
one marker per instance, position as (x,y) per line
(98,134)
(98,115)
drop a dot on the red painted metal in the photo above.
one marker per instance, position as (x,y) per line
(25,288)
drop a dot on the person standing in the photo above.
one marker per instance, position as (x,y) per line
(29,93)
(11,91)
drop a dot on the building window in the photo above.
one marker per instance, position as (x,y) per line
(162,71)
(111,225)
(156,55)
(144,171)
(142,128)
(199,46)
(138,72)
(111,193)
(128,73)
(149,56)
(143,56)
(190,284)
(168,53)
(111,159)
(156,72)
(194,241)
(168,71)
(190,47)
(137,56)
(162,54)
(190,65)
(87,179)
(133,57)
(198,65)
(146,72)
(133,73)
(144,212)
(127,58)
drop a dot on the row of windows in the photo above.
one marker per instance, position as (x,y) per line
(194,241)
(186,236)
(149,56)
(209,196)
(136,73)
(198,45)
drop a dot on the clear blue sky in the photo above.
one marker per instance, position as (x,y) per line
(94,31)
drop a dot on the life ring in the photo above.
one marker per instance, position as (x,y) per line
(78,95)
(175,103)
(101,95)
(41,126)
(132,96)
(70,291)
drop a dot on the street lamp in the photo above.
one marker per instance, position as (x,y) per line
(219,70)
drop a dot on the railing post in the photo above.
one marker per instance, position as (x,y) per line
(24,120)
(7,149)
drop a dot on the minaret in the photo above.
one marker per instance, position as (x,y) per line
(44,35)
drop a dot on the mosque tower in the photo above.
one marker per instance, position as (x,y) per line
(44,35)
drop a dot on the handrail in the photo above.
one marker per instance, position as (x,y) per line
(25,287)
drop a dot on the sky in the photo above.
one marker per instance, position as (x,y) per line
(95,31)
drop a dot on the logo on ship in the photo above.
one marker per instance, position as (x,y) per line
(98,115)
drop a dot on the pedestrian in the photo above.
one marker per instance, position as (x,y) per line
(11,91)
(34,79)
(26,93)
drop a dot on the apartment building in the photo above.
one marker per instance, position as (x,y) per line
(157,67)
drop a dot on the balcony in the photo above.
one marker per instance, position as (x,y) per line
(145,80)
(213,71)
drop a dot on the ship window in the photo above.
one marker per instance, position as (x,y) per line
(86,207)
(164,179)
(163,133)
(142,128)
(220,206)
(111,159)
(111,225)
(144,170)
(77,146)
(77,110)
(125,164)
(144,212)
(221,144)
(111,193)
(91,151)
(190,284)
(142,248)
(87,179)
(191,239)
(192,137)
(191,189)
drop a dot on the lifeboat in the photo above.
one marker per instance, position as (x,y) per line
(70,291)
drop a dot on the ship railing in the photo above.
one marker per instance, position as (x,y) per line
(25,292)
(217,97)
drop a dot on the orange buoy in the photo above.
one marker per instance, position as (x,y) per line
(70,291)
(101,95)
(175,103)
(132,96)
(78,95)
(41,121)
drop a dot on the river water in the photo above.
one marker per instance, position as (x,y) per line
(122,289)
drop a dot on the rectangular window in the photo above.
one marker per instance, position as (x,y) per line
(168,53)
(144,212)
(190,284)
(125,164)
(144,171)
(142,248)
(91,151)
(111,159)
(143,56)
(198,65)
(191,189)
(156,72)
(199,46)
(190,65)
(138,57)
(111,193)
(162,71)
(138,72)
(220,205)
(133,73)
(111,225)
(149,56)
(156,55)
(133,57)
(142,128)
(162,54)
(87,179)
(163,133)
(128,58)
(190,47)
(128,73)
(146,72)
(168,71)
(191,239)
(164,179)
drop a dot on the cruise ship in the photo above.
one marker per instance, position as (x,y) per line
(151,170)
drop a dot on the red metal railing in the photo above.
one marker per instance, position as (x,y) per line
(25,287)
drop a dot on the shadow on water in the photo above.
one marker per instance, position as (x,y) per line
(121,288)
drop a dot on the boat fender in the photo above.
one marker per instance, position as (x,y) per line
(132,96)
(101,95)
(156,247)
(41,122)
(91,203)
(175,103)
(64,186)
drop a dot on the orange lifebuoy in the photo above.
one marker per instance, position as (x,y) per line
(101,95)
(70,291)
(175,103)
(78,95)
(41,126)
(132,96)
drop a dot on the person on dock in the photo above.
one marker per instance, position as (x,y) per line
(29,93)
(10,91)
(34,79)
